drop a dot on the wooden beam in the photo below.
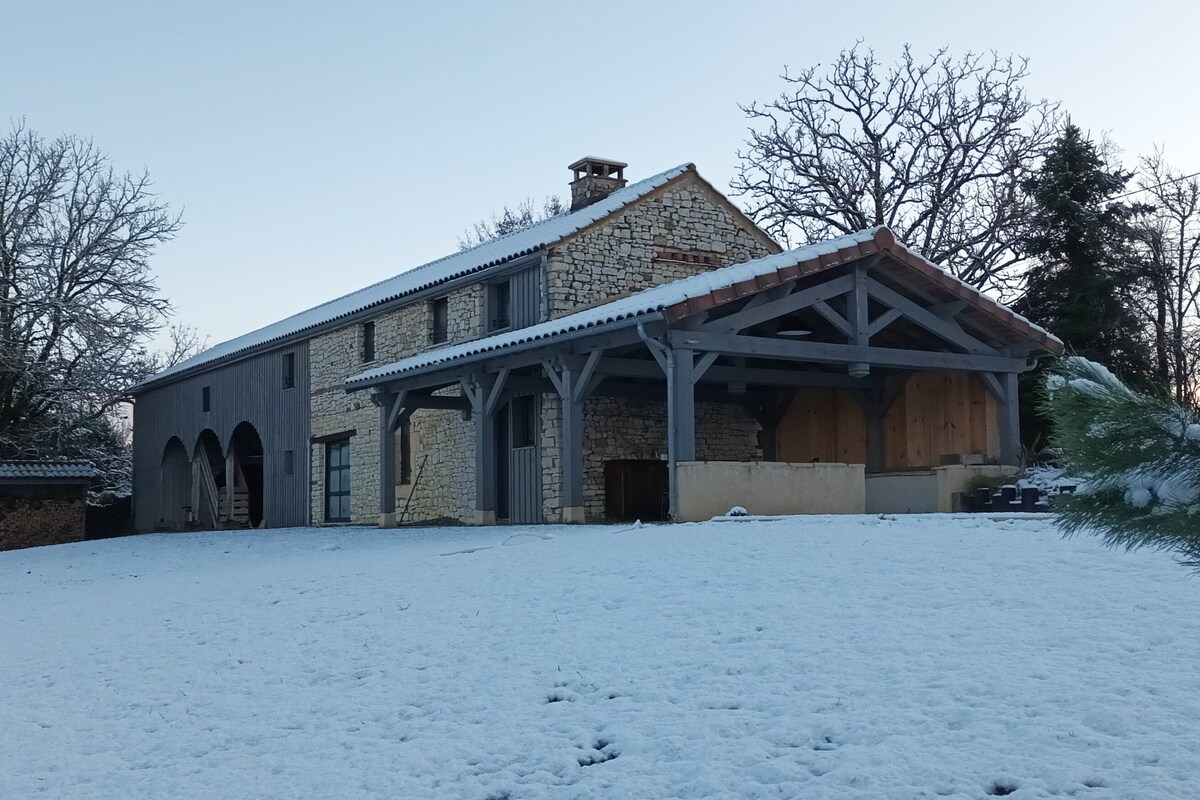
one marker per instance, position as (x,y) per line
(882,321)
(1010,422)
(820,352)
(388,412)
(639,368)
(860,320)
(746,318)
(681,418)
(834,318)
(946,329)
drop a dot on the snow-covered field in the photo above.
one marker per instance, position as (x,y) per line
(798,658)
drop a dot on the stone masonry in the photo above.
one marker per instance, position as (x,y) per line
(398,334)
(617,428)
(679,230)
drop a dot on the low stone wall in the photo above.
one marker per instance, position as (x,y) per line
(926,491)
(710,488)
(32,516)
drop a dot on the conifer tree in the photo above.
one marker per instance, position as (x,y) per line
(1085,273)
(1139,455)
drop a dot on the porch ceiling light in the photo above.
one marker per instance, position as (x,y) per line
(793,332)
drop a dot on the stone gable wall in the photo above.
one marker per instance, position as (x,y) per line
(621,256)
(675,233)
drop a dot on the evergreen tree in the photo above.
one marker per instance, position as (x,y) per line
(1140,457)
(1085,273)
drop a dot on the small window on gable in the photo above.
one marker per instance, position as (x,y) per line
(499,306)
(289,462)
(206,399)
(440,311)
(289,370)
(368,341)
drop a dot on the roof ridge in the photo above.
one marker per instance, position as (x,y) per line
(522,242)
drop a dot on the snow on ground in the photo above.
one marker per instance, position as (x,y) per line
(823,657)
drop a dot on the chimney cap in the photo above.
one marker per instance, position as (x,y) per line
(608,162)
(593,167)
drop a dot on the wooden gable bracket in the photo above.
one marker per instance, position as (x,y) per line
(756,311)
(944,327)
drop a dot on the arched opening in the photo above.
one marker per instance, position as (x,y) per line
(246,447)
(209,476)
(176,485)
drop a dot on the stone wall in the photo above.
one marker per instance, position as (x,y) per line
(617,428)
(681,230)
(336,355)
(32,516)
(678,231)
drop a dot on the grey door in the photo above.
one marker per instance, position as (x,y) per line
(524,473)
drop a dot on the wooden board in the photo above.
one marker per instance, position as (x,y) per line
(937,414)
(825,425)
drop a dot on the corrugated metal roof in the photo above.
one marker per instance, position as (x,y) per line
(445,269)
(641,304)
(42,470)
(676,299)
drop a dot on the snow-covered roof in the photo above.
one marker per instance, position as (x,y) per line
(636,306)
(489,254)
(46,470)
(706,290)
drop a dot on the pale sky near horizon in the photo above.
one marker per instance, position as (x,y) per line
(316,148)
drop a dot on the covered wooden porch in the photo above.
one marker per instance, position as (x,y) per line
(851,351)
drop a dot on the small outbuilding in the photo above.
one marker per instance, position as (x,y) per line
(43,502)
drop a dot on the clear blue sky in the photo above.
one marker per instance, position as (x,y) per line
(318,147)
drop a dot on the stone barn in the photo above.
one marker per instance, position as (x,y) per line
(650,353)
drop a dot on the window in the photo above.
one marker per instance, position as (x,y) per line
(404,453)
(289,370)
(368,341)
(440,309)
(337,481)
(206,399)
(499,306)
(524,421)
(289,462)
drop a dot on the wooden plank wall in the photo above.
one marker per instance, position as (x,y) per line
(823,425)
(938,413)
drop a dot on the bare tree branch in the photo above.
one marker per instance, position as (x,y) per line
(936,150)
(78,302)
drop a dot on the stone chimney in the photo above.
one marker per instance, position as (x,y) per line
(595,179)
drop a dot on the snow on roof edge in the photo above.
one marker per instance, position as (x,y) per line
(425,276)
(639,304)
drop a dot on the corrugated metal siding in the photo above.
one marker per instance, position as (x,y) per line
(526,297)
(250,391)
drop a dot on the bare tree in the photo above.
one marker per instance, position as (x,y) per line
(78,303)
(1170,238)
(936,150)
(510,220)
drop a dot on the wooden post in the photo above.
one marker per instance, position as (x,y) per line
(572,447)
(859,319)
(230,483)
(483,390)
(681,418)
(1010,421)
(387,461)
